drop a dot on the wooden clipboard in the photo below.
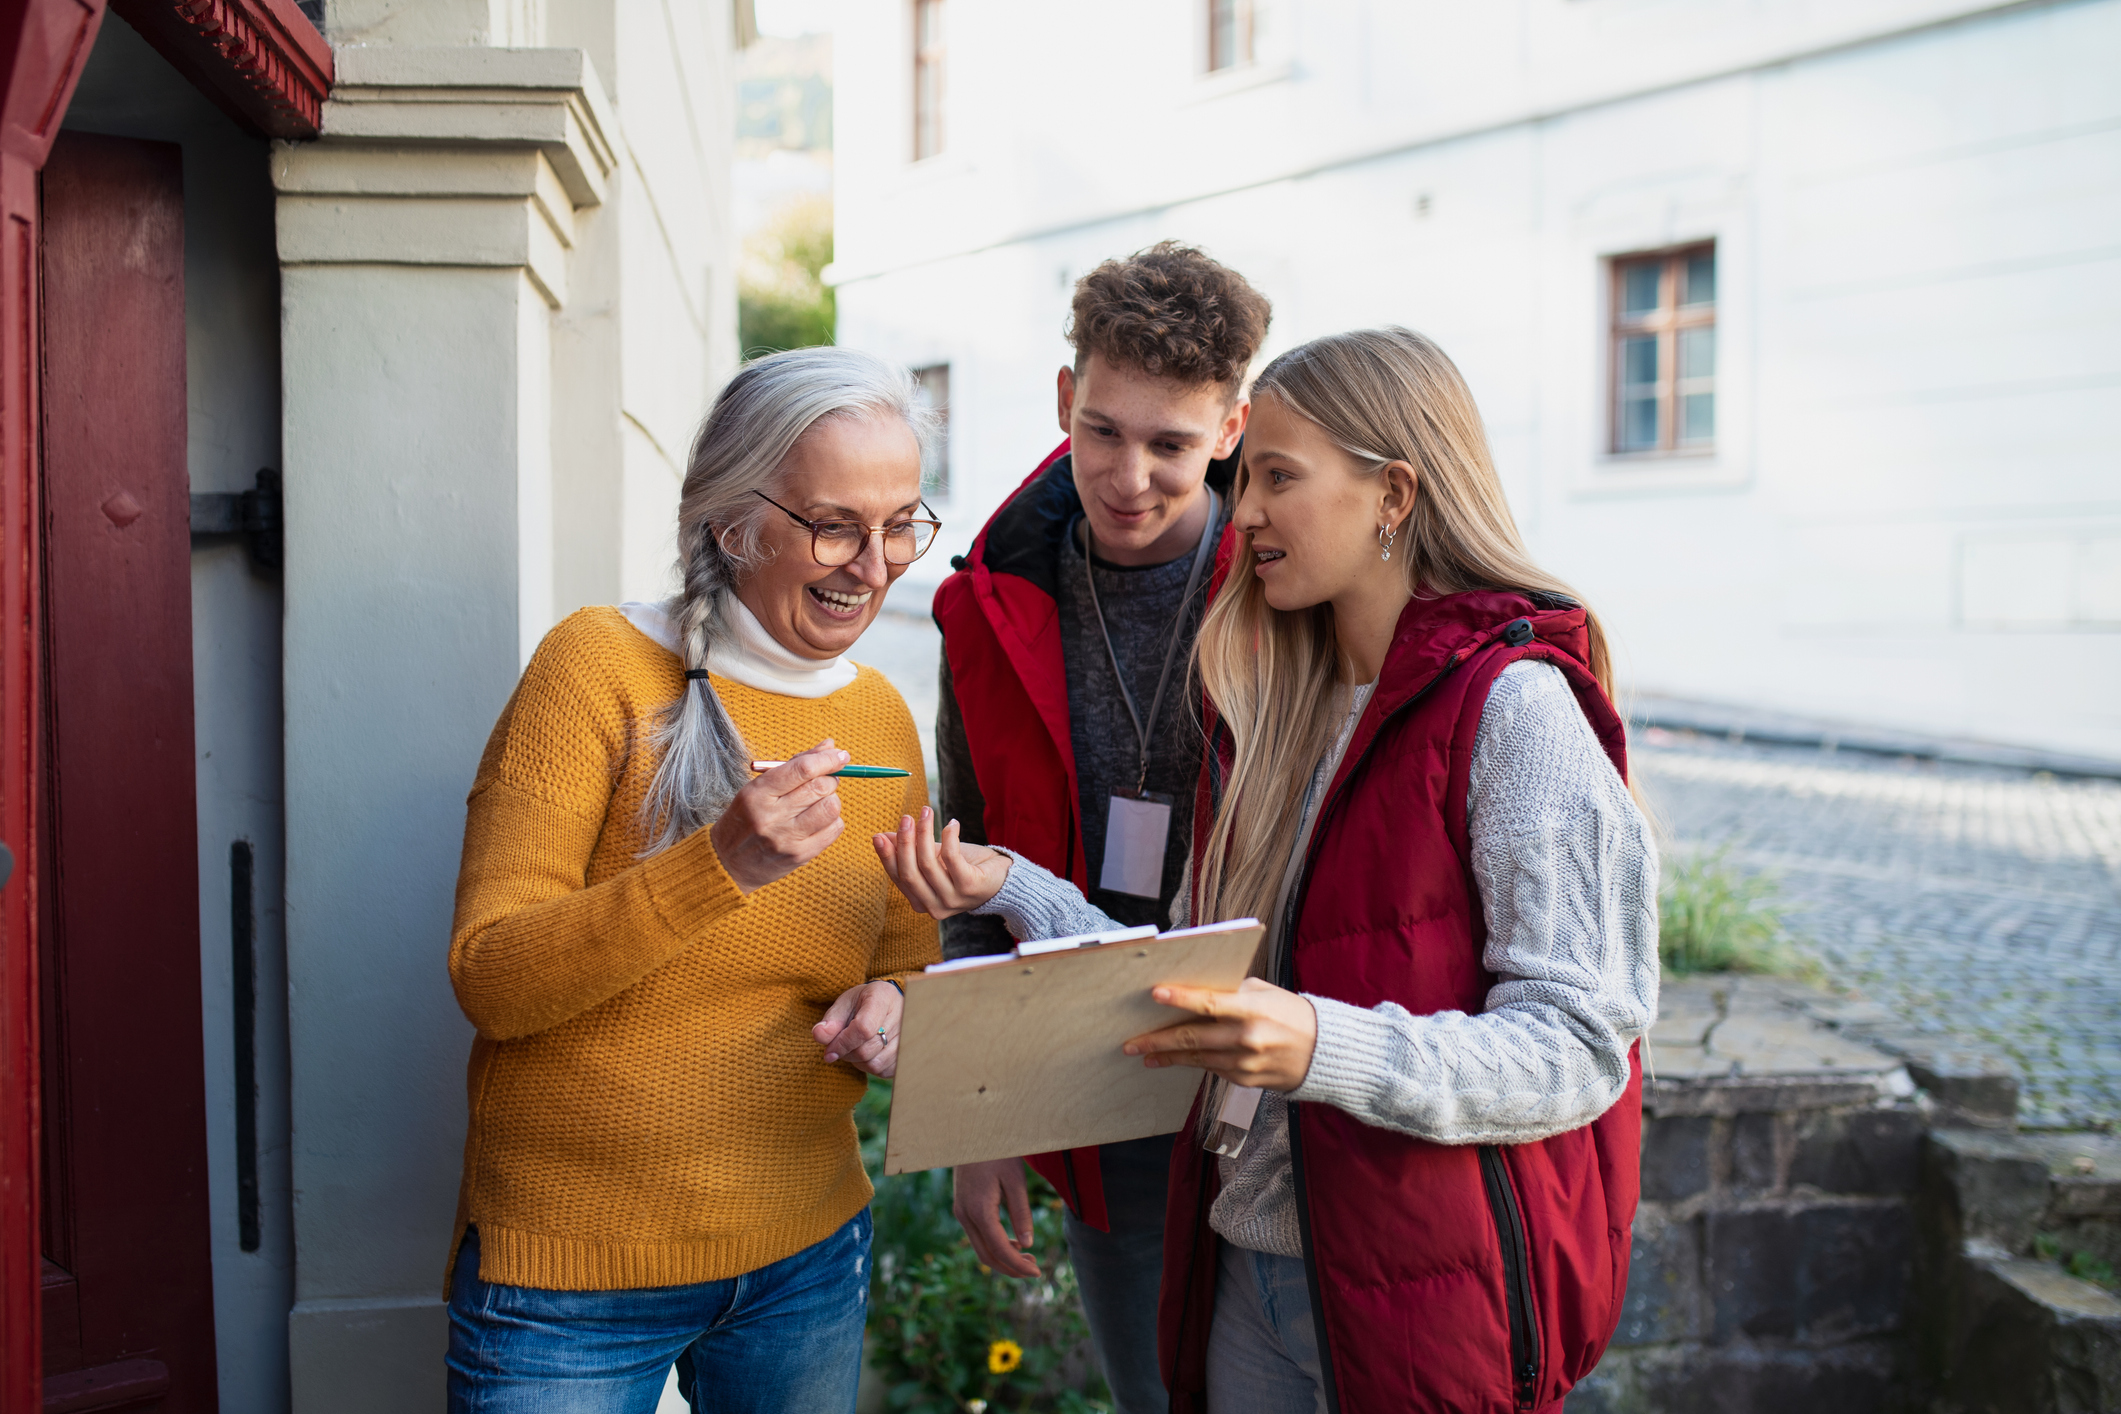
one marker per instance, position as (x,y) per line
(1021,1055)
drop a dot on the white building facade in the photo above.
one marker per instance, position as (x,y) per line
(1797,328)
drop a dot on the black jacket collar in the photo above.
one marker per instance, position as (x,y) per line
(1024,538)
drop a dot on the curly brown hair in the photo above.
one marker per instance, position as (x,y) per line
(1171,312)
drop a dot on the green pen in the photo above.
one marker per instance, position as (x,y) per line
(863,773)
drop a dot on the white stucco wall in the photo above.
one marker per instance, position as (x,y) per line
(1912,517)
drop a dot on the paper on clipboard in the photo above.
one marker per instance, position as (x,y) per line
(1022,1056)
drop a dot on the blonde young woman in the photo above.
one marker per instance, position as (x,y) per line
(1425,1116)
(679,969)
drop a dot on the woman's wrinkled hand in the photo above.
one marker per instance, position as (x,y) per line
(940,877)
(861,1028)
(1258,1035)
(783,819)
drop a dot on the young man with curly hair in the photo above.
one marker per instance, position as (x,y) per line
(1068,730)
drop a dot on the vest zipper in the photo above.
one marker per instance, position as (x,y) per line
(1286,980)
(1516,1275)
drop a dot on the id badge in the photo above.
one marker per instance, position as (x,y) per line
(1137,828)
(1233,1123)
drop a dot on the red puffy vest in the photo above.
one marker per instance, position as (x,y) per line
(1001,630)
(1444,1278)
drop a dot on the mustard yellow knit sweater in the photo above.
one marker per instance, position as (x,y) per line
(648,1107)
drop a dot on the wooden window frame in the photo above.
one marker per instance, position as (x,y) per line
(928,59)
(1241,36)
(1665,323)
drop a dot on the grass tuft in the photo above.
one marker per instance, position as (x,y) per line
(1715,918)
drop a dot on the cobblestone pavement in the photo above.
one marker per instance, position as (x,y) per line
(1982,905)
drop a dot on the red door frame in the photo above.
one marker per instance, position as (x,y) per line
(43,45)
(267,66)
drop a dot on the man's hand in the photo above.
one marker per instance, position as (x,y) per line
(1258,1035)
(980,1190)
(783,819)
(861,1028)
(940,877)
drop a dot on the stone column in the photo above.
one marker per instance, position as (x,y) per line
(426,241)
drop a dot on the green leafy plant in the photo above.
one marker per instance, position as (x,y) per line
(946,1334)
(2085,1266)
(1714,918)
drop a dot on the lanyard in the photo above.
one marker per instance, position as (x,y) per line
(1200,558)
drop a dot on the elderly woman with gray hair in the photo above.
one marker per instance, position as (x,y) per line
(679,969)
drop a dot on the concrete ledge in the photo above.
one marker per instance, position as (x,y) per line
(363,1356)
(1735,724)
(2032,1339)
(1863,1377)
(494,232)
(545,98)
(1726,1045)
(1742,1094)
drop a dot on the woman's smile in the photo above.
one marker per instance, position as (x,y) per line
(840,604)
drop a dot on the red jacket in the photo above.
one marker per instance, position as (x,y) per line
(1444,1278)
(1001,631)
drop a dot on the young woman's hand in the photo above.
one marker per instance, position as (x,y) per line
(1258,1035)
(940,877)
(783,819)
(979,1193)
(861,1028)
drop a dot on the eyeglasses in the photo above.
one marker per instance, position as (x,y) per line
(842,542)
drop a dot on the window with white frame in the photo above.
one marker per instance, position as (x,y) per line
(927,78)
(1230,34)
(1663,352)
(934,392)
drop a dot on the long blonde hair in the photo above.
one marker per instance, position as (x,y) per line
(1382,395)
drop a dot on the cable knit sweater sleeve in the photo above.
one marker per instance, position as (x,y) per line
(1034,902)
(1567,873)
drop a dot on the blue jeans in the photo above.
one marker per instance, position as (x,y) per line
(785,1339)
(1122,1270)
(1263,1346)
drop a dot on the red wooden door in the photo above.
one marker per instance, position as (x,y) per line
(128,1310)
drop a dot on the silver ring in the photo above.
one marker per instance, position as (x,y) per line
(881,1036)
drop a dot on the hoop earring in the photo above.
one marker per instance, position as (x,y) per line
(1386,534)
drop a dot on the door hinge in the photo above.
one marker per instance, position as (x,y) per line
(253,514)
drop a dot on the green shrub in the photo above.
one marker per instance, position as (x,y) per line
(1713,918)
(947,1335)
(2085,1266)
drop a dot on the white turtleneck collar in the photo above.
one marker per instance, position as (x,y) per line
(756,659)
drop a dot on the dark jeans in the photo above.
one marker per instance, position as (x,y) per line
(785,1339)
(1121,1270)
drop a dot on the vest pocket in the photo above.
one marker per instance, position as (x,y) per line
(1516,1275)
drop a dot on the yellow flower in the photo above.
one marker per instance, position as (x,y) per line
(1004,1356)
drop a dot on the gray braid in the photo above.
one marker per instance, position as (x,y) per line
(755,422)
